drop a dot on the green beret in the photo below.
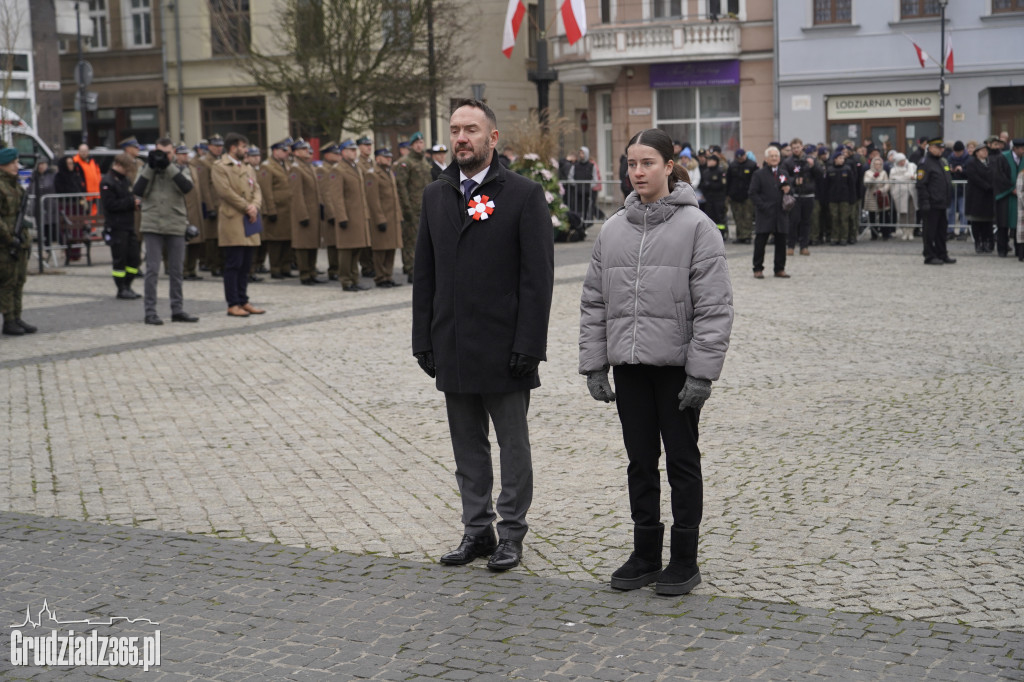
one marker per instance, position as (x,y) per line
(8,154)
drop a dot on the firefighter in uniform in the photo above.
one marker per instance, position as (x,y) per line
(385,238)
(194,211)
(119,207)
(412,175)
(305,212)
(277,208)
(14,250)
(934,192)
(352,224)
(210,201)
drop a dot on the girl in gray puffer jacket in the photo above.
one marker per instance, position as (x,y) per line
(657,308)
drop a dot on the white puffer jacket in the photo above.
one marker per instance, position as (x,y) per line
(657,291)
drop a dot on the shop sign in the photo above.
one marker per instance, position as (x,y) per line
(695,74)
(891,105)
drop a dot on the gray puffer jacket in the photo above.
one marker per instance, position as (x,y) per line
(658,290)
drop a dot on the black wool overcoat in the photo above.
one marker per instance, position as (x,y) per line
(766,195)
(482,288)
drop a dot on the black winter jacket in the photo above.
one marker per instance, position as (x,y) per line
(737,179)
(840,183)
(980,201)
(805,173)
(118,202)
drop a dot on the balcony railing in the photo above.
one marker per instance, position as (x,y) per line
(654,41)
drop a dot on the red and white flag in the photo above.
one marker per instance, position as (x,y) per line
(513,20)
(922,56)
(949,52)
(574,18)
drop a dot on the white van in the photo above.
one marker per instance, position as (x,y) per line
(18,134)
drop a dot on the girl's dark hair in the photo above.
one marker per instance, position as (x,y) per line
(660,141)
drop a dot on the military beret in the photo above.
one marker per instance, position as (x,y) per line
(415,137)
(286,143)
(936,142)
(403,145)
(181,149)
(300,144)
(129,142)
(252,151)
(216,141)
(346,144)
(364,140)
(383,152)
(8,154)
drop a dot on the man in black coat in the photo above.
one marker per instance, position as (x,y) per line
(481,298)
(980,199)
(767,186)
(934,192)
(804,173)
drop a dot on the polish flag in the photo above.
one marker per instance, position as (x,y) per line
(949,52)
(574,18)
(513,20)
(922,56)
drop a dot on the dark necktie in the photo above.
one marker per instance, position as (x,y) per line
(468,185)
(775,172)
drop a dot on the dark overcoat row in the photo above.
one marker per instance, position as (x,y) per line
(482,288)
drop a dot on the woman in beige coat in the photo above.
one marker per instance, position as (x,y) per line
(240,199)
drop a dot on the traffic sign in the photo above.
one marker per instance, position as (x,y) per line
(83,74)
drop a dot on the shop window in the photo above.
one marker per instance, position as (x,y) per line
(1007,6)
(700,116)
(230,26)
(243,115)
(832,12)
(919,9)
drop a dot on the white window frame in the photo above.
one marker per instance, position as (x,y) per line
(128,14)
(697,120)
(100,25)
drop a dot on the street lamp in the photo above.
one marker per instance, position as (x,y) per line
(942,68)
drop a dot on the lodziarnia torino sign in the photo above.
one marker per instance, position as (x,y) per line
(890,105)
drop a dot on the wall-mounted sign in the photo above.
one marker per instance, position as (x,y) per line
(891,105)
(640,111)
(695,74)
(801,103)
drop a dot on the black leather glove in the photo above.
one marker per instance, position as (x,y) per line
(271,217)
(382,227)
(343,224)
(522,365)
(426,360)
(600,389)
(304,223)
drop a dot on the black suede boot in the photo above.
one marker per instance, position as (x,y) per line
(644,565)
(682,574)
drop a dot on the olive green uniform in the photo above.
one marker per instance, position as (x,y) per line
(412,175)
(13,269)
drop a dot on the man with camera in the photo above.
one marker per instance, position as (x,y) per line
(162,187)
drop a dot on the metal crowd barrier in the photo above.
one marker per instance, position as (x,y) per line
(66,222)
(892,218)
(586,203)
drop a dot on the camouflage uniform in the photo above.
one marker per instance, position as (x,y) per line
(412,175)
(13,269)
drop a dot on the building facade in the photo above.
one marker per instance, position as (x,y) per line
(848,69)
(125,50)
(700,69)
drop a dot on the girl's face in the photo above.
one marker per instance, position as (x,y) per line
(69,163)
(648,172)
(876,163)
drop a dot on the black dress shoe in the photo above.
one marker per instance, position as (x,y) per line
(388,284)
(308,282)
(352,287)
(471,547)
(947,259)
(263,269)
(508,555)
(332,278)
(192,278)
(153,319)
(28,328)
(254,278)
(277,275)
(183,317)
(933,261)
(127,295)
(409,278)
(216,273)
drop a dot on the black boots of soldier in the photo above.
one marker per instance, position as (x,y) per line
(682,574)
(644,565)
(124,289)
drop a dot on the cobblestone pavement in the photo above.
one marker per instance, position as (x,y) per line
(862,452)
(250,611)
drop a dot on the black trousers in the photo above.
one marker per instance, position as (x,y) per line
(800,222)
(648,405)
(760,241)
(237,261)
(126,254)
(933,229)
(981,230)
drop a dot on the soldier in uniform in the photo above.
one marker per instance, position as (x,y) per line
(252,158)
(330,199)
(366,165)
(305,206)
(737,188)
(194,211)
(934,192)
(412,175)
(352,224)
(214,148)
(386,237)
(14,251)
(437,155)
(277,208)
